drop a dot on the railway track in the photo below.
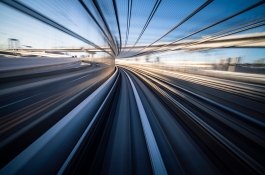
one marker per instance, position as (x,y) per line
(138,122)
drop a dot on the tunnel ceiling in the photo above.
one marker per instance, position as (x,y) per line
(138,27)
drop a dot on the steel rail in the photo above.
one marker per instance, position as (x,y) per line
(128,22)
(233,148)
(73,152)
(68,128)
(23,8)
(147,23)
(180,23)
(154,153)
(207,27)
(194,101)
(114,2)
(100,27)
(106,24)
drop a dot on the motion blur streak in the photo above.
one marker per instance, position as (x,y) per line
(130,87)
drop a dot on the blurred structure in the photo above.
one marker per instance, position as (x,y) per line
(13,43)
(231,39)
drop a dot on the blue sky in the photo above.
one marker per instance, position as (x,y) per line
(71,14)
